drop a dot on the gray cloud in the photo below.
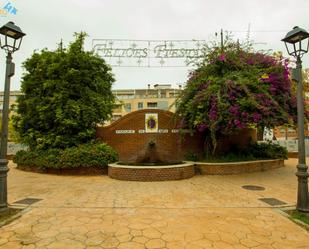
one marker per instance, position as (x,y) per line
(46,22)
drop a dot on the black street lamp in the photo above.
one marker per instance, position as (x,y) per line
(10,42)
(297,44)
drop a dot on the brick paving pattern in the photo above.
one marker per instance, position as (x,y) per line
(202,212)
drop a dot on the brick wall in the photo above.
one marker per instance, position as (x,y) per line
(170,147)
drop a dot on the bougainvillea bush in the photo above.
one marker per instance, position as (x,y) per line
(236,88)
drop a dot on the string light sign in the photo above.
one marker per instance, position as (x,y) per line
(149,53)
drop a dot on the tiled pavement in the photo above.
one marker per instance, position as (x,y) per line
(201,212)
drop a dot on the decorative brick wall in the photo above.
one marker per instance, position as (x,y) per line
(128,137)
(238,167)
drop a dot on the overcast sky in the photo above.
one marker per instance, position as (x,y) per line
(47,22)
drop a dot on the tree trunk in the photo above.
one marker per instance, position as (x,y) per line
(260,132)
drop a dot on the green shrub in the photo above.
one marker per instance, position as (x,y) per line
(191,156)
(87,155)
(267,151)
(255,151)
(229,157)
(65,93)
(84,155)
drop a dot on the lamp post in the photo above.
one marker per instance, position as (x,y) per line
(297,44)
(10,42)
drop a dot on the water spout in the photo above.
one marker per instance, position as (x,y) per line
(152,144)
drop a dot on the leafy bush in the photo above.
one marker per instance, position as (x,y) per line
(255,151)
(191,156)
(84,155)
(236,88)
(65,94)
(268,151)
(229,157)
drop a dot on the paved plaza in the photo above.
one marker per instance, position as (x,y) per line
(202,212)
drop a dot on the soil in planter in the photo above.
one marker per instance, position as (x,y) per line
(149,164)
(304,217)
(73,171)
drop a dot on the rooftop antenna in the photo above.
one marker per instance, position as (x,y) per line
(61,46)
(248,34)
(221,35)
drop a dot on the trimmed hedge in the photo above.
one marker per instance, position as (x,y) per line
(268,150)
(85,156)
(254,151)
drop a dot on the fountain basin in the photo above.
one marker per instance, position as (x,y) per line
(188,169)
(151,173)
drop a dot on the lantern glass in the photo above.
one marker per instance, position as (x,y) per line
(297,42)
(11,37)
(290,48)
(305,45)
(10,44)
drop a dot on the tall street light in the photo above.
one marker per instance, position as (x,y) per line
(297,44)
(9,41)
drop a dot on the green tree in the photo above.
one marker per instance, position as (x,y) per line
(66,93)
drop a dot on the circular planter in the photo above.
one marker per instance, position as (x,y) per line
(151,173)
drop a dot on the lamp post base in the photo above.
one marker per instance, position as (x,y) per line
(3,184)
(303,196)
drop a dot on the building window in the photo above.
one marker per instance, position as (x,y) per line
(13,98)
(117,108)
(140,105)
(116,117)
(128,96)
(152,104)
(127,107)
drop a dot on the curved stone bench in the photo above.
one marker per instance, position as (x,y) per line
(151,173)
(237,167)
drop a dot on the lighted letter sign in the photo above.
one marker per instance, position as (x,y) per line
(144,53)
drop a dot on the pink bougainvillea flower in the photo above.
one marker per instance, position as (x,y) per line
(250,61)
(239,124)
(213,114)
(256,117)
(222,57)
(234,110)
(243,89)
(202,127)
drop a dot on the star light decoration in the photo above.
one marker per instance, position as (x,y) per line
(110,43)
(119,62)
(139,61)
(162,62)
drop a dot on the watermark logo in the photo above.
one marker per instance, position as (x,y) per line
(8,9)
